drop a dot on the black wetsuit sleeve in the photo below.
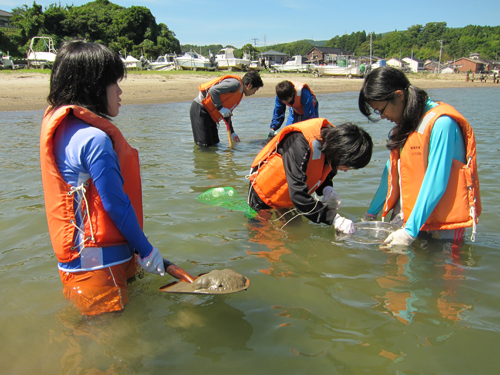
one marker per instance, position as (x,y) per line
(295,151)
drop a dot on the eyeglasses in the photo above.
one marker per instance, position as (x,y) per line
(380,113)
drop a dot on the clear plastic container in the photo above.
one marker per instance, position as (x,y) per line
(372,232)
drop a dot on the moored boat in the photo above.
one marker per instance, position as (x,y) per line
(194,61)
(349,70)
(227,61)
(295,64)
(41,59)
(165,62)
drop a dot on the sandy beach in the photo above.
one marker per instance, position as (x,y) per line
(21,91)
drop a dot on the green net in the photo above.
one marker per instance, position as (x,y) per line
(228,198)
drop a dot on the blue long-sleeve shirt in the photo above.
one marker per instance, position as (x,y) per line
(84,152)
(446,143)
(309,103)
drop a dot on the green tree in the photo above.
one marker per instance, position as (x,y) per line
(250,50)
(29,20)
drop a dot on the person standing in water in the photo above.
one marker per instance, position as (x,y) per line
(216,101)
(301,100)
(432,170)
(91,182)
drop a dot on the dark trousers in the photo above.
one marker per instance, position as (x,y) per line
(204,128)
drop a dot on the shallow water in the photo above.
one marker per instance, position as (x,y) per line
(317,304)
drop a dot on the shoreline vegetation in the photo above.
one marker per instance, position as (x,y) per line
(28,90)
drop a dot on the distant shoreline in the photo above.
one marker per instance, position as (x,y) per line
(28,91)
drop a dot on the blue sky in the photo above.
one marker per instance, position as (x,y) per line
(203,22)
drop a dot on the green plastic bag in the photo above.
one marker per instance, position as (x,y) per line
(228,198)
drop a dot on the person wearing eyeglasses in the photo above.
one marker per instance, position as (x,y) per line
(301,100)
(430,182)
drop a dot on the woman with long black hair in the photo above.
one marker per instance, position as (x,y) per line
(431,177)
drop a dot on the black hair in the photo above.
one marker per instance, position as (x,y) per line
(346,145)
(285,90)
(253,78)
(81,74)
(381,84)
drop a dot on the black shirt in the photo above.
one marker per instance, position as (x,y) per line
(296,152)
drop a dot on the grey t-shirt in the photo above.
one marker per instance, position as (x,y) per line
(227,85)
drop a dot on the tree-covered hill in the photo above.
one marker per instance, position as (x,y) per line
(422,42)
(132,29)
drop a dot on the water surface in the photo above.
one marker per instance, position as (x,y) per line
(317,304)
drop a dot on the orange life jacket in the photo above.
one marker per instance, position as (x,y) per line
(268,176)
(460,206)
(297,105)
(229,100)
(59,199)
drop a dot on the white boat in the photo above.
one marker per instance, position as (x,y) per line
(41,59)
(6,62)
(194,61)
(295,64)
(165,62)
(349,71)
(226,61)
(131,62)
(255,65)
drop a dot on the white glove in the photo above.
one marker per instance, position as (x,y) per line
(235,138)
(225,112)
(343,225)
(331,198)
(399,237)
(153,263)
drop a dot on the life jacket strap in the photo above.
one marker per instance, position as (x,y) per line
(81,197)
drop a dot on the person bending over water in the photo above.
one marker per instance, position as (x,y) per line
(215,102)
(432,170)
(301,100)
(302,159)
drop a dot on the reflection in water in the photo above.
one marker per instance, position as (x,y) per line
(92,345)
(402,298)
(396,299)
(213,326)
(215,167)
(267,232)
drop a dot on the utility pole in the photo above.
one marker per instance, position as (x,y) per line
(255,45)
(371,50)
(440,52)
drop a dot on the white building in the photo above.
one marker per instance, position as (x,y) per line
(414,64)
(395,63)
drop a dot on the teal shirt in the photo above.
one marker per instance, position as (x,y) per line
(446,144)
